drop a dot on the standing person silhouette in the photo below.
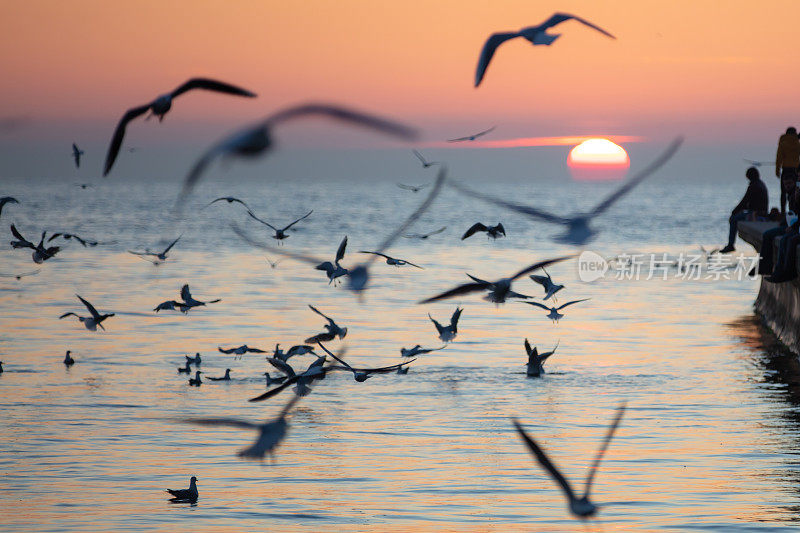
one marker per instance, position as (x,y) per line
(787,161)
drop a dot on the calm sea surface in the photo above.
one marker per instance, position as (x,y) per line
(709,440)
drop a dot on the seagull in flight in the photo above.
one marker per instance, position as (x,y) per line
(314,371)
(554,314)
(280,233)
(498,290)
(412,188)
(190,302)
(7,200)
(334,330)
(185,495)
(534,34)
(424,236)
(358,276)
(757,164)
(418,350)
(335,270)
(493,232)
(425,162)
(298,349)
(449,332)
(391,260)
(76,155)
(272,263)
(547,283)
(160,256)
(230,200)
(239,350)
(160,106)
(40,253)
(68,236)
(578,229)
(21,274)
(362,374)
(580,506)
(90,322)
(170,305)
(473,136)
(270,433)
(257,139)
(536,360)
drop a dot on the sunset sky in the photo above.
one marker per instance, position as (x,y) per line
(715,71)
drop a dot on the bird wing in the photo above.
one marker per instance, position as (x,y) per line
(473,230)
(638,178)
(230,422)
(375,253)
(537,304)
(335,357)
(478,280)
(438,231)
(168,248)
(435,323)
(119,134)
(558,18)
(437,187)
(67,314)
(545,355)
(541,280)
(384,369)
(461,289)
(186,294)
(540,264)
(222,350)
(25,242)
(320,337)
(252,215)
(298,220)
(254,350)
(340,251)
(282,366)
(211,85)
(570,303)
(272,392)
(199,167)
(545,461)
(454,319)
(528,349)
(228,199)
(346,115)
(90,307)
(327,266)
(419,156)
(294,255)
(527,210)
(406,187)
(489,47)
(602,450)
(320,313)
(412,264)
(500,228)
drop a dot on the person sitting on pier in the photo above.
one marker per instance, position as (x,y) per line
(786,263)
(755,202)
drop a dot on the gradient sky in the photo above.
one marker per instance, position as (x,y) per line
(715,71)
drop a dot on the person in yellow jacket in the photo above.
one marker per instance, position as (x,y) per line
(787,161)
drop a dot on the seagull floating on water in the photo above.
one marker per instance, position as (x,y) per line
(554,314)
(68,360)
(391,260)
(196,381)
(226,377)
(333,329)
(7,200)
(358,276)
(186,369)
(449,332)
(580,506)
(425,162)
(76,155)
(536,360)
(550,287)
(498,290)
(160,256)
(40,253)
(185,495)
(280,233)
(161,105)
(493,232)
(90,322)
(274,380)
(424,236)
(196,360)
(578,229)
(257,139)
(473,136)
(270,433)
(534,34)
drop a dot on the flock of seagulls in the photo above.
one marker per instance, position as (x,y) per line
(257,140)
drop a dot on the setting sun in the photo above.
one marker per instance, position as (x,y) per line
(598,159)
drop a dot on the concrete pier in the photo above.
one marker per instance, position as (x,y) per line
(777,303)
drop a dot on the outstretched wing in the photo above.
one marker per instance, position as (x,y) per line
(282,366)
(185,294)
(346,115)
(119,134)
(406,187)
(487,53)
(222,350)
(638,178)
(456,316)
(90,307)
(25,242)
(211,85)
(558,18)
(461,289)
(436,323)
(602,450)
(570,303)
(537,304)
(340,251)
(320,313)
(528,349)
(475,228)
(298,220)
(375,253)
(545,461)
(230,422)
(253,216)
(540,264)
(527,210)
(168,248)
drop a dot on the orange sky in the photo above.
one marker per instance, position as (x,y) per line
(731,61)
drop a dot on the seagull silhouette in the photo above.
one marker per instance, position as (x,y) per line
(7,200)
(280,233)
(230,200)
(257,139)
(473,136)
(580,506)
(76,155)
(554,314)
(160,106)
(314,371)
(493,232)
(391,260)
(578,226)
(425,162)
(536,360)
(333,329)
(424,236)
(534,34)
(412,188)
(160,256)
(185,495)
(550,287)
(40,253)
(449,332)
(90,322)
(362,374)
